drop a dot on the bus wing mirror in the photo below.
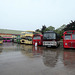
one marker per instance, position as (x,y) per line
(62,36)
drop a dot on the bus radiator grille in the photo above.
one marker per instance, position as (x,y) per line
(71,44)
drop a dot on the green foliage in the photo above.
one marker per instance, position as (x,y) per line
(43,29)
(62,27)
(38,30)
(70,26)
(60,30)
(51,28)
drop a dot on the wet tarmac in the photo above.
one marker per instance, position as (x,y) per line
(20,59)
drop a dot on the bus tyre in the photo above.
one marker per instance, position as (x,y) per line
(46,46)
(57,45)
(65,48)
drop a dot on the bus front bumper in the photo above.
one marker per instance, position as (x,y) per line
(49,43)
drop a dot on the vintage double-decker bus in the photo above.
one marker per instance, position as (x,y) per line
(26,37)
(69,39)
(38,38)
(1,40)
(51,38)
(22,34)
(22,40)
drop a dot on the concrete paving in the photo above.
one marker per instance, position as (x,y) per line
(20,59)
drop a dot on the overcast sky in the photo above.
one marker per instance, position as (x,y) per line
(32,14)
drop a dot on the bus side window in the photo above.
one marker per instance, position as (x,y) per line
(73,36)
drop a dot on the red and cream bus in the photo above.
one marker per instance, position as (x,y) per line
(69,39)
(37,38)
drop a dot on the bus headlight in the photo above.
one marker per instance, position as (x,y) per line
(55,43)
(65,43)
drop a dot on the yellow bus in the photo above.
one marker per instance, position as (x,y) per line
(26,37)
(22,34)
(1,40)
(22,41)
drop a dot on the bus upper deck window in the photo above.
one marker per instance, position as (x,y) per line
(73,36)
(67,36)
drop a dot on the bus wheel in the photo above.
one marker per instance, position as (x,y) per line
(46,46)
(57,45)
(65,48)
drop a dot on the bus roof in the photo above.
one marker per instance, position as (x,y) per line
(69,32)
(49,31)
(27,31)
(37,35)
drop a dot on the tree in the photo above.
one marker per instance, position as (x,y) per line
(60,30)
(43,29)
(51,28)
(62,27)
(70,26)
(38,30)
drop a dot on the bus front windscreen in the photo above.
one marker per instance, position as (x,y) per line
(28,38)
(49,36)
(36,37)
(67,36)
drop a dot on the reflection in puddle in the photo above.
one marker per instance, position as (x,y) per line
(37,51)
(1,48)
(50,57)
(10,47)
(31,51)
(69,58)
(26,50)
